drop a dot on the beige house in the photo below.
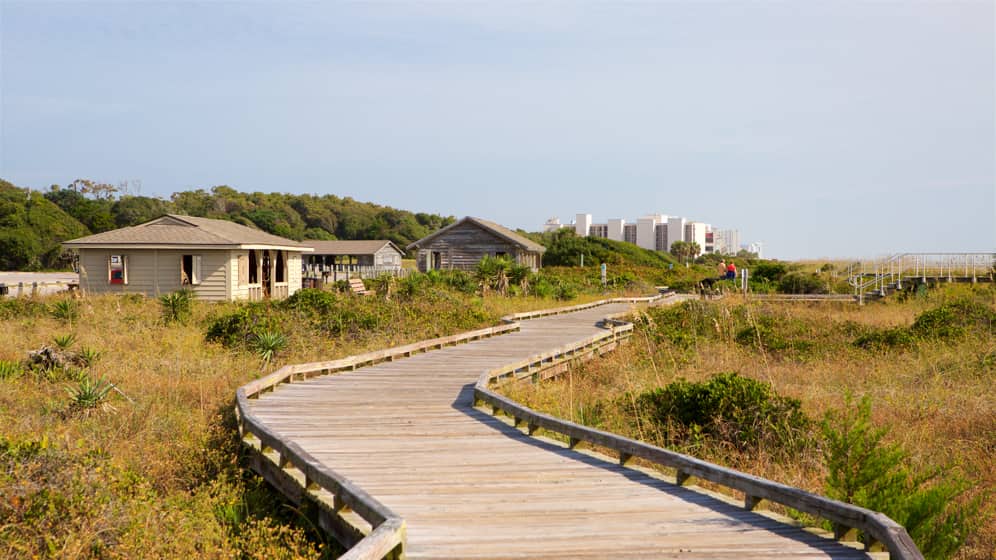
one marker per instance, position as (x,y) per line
(215,259)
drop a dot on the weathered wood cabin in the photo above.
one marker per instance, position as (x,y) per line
(215,259)
(463,244)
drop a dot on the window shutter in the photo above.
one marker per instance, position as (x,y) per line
(243,270)
(196,279)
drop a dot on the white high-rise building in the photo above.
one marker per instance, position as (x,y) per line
(617,227)
(727,241)
(756,247)
(553,224)
(695,232)
(658,232)
(582,225)
(646,232)
(675,231)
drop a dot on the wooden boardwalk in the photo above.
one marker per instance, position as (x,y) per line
(469,485)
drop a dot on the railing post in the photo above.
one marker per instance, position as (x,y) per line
(843,533)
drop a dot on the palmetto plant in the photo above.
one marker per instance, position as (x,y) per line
(176,306)
(64,342)
(65,309)
(268,344)
(89,395)
(89,356)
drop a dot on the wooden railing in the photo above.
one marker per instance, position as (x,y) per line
(846,518)
(341,501)
(285,464)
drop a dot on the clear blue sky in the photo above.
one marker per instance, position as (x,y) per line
(821,128)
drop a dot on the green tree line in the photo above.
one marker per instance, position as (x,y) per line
(33,224)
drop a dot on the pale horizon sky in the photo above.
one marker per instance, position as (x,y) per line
(823,129)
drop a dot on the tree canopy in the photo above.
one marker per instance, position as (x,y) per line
(564,248)
(34,224)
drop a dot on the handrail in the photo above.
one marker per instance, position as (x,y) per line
(387,537)
(892,269)
(844,517)
(580,307)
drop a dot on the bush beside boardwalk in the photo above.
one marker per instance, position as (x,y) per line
(933,390)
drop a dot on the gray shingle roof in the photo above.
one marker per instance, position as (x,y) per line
(499,230)
(173,229)
(360,247)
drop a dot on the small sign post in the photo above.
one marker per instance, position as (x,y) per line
(604,280)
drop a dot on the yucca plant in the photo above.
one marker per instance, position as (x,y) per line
(89,356)
(10,370)
(66,309)
(89,395)
(268,344)
(64,342)
(176,306)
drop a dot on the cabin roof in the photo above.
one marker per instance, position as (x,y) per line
(496,229)
(351,248)
(175,229)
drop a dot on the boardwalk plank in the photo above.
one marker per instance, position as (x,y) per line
(471,486)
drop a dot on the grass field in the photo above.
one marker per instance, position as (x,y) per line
(154,471)
(931,382)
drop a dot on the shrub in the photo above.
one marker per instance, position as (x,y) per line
(312,302)
(20,307)
(10,370)
(460,281)
(65,341)
(89,394)
(865,471)
(239,327)
(953,319)
(801,283)
(88,356)
(885,338)
(739,411)
(268,344)
(771,271)
(176,306)
(66,309)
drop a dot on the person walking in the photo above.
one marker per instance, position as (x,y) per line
(731,271)
(722,269)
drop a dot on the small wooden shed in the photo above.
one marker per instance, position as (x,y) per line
(463,244)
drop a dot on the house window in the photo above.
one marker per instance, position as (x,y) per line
(500,254)
(281,273)
(117,269)
(190,270)
(253,268)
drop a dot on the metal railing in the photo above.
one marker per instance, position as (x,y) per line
(879,275)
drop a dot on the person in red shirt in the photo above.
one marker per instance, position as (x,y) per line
(731,271)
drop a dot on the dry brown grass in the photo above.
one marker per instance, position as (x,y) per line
(160,477)
(938,398)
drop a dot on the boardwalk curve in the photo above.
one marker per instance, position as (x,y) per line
(396,459)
